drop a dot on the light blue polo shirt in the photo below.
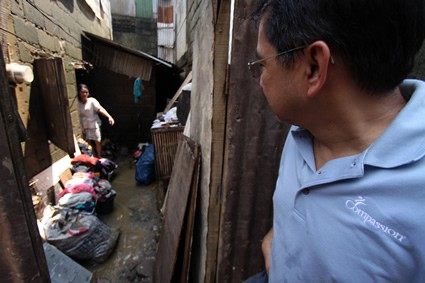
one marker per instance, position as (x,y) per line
(359,218)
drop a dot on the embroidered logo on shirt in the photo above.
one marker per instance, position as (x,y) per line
(355,206)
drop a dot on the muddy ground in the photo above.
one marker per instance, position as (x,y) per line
(137,216)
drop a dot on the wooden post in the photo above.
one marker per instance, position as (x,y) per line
(22,256)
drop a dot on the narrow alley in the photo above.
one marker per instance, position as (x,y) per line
(136,215)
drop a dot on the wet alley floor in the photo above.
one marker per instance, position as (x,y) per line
(137,216)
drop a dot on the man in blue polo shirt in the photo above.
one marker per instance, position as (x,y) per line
(349,204)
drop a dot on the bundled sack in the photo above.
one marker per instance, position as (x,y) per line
(145,170)
(81,236)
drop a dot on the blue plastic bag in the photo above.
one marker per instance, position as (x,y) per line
(145,168)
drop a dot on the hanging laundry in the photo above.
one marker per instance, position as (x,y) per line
(137,89)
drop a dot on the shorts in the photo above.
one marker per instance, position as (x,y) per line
(92,134)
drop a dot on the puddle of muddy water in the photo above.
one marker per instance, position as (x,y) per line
(137,217)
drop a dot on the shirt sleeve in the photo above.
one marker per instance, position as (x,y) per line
(96,104)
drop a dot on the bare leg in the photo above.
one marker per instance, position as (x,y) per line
(98,149)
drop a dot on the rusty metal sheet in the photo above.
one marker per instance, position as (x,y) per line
(122,63)
(123,60)
(254,143)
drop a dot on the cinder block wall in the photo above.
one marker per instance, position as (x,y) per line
(39,28)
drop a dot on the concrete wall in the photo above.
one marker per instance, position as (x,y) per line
(40,28)
(201,41)
(198,35)
(123,8)
(136,33)
(181,30)
(193,16)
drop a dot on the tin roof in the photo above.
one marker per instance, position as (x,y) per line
(123,60)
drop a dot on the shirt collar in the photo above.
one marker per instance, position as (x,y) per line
(403,142)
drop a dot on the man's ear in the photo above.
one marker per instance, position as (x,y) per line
(318,57)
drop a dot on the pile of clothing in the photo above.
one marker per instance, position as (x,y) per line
(98,171)
(102,168)
(79,193)
(86,192)
(72,225)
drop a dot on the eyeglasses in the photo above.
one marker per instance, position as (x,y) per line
(256,68)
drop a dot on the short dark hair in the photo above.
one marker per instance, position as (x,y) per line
(377,39)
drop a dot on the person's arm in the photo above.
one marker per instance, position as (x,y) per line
(266,247)
(106,114)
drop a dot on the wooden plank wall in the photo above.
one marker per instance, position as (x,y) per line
(221,46)
(50,76)
(174,244)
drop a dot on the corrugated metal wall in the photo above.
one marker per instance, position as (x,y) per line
(144,9)
(135,8)
(122,62)
(166,30)
(166,23)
